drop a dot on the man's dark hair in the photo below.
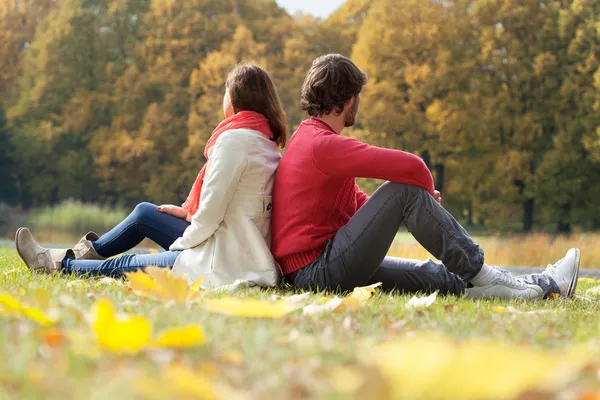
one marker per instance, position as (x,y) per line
(331,82)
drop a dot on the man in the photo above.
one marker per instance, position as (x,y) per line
(327,234)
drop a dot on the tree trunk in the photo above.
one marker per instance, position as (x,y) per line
(564,225)
(440,170)
(528,207)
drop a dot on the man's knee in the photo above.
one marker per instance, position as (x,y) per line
(394,186)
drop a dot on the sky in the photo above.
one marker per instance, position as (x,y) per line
(318,8)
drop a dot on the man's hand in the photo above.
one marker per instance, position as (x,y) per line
(437,196)
(173,210)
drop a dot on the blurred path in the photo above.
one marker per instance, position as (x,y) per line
(588,273)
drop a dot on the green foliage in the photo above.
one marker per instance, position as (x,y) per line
(75,217)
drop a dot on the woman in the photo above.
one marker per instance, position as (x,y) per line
(222,231)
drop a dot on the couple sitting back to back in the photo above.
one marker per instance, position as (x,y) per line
(252,214)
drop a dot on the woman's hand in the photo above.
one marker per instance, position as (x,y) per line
(437,196)
(173,210)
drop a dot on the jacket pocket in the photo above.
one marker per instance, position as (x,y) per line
(267,206)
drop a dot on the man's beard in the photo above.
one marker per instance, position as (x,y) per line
(350,118)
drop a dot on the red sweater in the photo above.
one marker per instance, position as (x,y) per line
(315,192)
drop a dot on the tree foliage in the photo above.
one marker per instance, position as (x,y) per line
(113,100)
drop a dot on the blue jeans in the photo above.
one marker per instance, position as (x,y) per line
(145,221)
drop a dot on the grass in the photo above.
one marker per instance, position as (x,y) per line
(71,219)
(289,358)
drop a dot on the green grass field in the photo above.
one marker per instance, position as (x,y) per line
(383,349)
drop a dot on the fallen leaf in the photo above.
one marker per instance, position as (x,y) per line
(294,299)
(13,308)
(53,338)
(162,285)
(595,291)
(425,366)
(422,302)
(587,280)
(365,292)
(318,309)
(183,337)
(122,335)
(250,308)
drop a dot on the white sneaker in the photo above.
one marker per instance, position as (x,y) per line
(504,285)
(565,272)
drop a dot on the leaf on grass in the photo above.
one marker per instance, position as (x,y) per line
(53,337)
(122,335)
(182,337)
(13,308)
(587,280)
(422,302)
(250,308)
(294,299)
(430,366)
(595,291)
(365,292)
(162,285)
(318,309)
(513,310)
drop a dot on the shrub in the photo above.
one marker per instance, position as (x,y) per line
(77,218)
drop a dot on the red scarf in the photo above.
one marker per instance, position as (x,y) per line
(242,120)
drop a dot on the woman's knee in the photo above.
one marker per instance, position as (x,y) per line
(143,211)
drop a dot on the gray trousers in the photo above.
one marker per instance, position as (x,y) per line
(357,255)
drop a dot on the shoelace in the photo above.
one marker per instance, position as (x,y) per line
(551,268)
(507,278)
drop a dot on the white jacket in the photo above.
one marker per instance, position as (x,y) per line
(229,238)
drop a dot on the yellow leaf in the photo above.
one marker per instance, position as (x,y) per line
(429,366)
(251,308)
(183,337)
(153,251)
(595,291)
(122,335)
(160,284)
(365,292)
(195,287)
(422,302)
(328,306)
(14,308)
(37,315)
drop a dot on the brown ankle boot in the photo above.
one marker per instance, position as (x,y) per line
(38,258)
(84,250)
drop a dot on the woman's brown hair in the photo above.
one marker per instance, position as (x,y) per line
(251,88)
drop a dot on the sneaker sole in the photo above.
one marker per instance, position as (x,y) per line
(573,284)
